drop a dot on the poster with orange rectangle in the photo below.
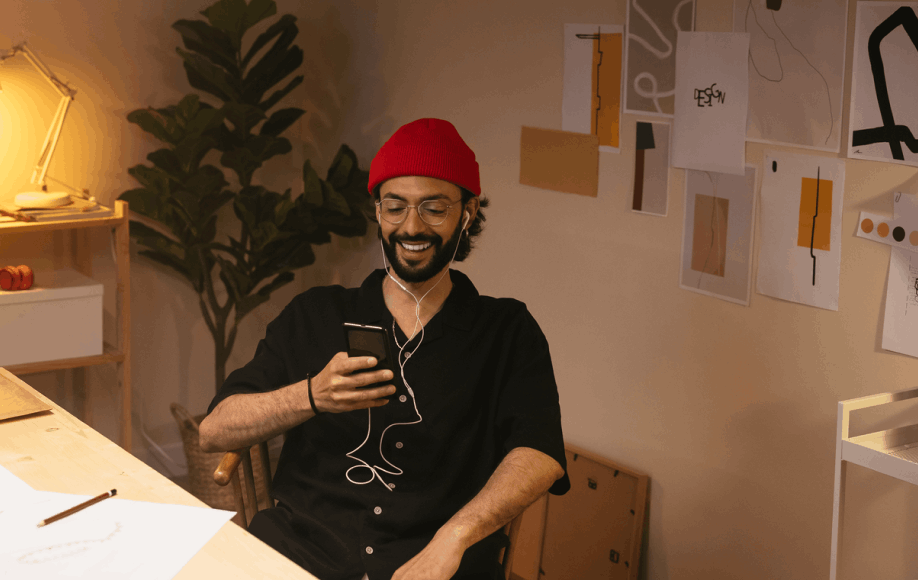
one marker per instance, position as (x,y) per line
(591,98)
(559,161)
(717,234)
(801,219)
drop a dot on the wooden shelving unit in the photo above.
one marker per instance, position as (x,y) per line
(892,452)
(118,351)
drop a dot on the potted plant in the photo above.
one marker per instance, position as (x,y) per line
(180,193)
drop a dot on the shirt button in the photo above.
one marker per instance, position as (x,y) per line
(369,550)
(377,510)
(402,399)
(399,445)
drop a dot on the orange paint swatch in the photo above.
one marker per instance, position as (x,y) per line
(883,230)
(607,83)
(867,225)
(808,208)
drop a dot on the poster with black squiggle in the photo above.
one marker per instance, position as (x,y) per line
(801,218)
(884,81)
(796,70)
(650,53)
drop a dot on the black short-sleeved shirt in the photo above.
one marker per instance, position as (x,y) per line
(483,383)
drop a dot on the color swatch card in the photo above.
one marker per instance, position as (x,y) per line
(717,234)
(591,101)
(712,93)
(800,251)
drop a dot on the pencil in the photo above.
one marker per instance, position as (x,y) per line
(77,508)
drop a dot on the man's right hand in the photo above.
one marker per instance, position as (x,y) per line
(337,388)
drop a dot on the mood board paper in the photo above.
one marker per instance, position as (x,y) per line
(717,234)
(801,209)
(560,161)
(796,70)
(591,101)
(712,90)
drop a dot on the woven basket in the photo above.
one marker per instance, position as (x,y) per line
(201,467)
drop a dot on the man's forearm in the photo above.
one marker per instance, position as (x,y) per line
(244,420)
(522,477)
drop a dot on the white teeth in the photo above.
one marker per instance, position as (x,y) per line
(415,247)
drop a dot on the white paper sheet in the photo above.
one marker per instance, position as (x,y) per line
(789,268)
(796,70)
(115,539)
(900,321)
(712,93)
(717,246)
(650,53)
(591,101)
(883,123)
(13,491)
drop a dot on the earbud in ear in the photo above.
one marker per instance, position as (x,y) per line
(466,222)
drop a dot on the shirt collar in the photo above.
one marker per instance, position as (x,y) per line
(458,311)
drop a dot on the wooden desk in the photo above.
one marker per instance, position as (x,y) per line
(54,451)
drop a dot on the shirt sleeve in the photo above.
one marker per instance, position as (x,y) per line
(529,413)
(268,369)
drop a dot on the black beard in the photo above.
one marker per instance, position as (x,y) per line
(442,255)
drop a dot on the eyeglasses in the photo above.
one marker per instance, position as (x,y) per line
(433,211)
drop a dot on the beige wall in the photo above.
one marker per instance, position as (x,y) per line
(730,409)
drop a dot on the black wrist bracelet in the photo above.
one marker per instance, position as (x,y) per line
(312,401)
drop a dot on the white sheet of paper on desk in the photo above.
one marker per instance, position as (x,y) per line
(114,539)
(711,101)
(13,491)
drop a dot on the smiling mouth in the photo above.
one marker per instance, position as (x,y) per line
(415,247)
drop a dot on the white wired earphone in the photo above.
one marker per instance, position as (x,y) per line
(375,469)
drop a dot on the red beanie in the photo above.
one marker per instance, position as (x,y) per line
(430,148)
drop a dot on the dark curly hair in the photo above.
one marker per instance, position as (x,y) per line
(466,241)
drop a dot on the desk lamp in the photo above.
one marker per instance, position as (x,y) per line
(44,198)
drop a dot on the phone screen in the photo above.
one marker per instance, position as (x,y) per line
(369,341)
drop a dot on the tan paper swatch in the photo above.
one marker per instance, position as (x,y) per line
(560,161)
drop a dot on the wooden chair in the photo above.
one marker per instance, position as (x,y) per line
(226,473)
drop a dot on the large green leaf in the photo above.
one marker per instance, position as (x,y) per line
(191,151)
(156,124)
(280,121)
(283,23)
(204,121)
(210,42)
(269,71)
(243,117)
(156,181)
(257,11)
(279,94)
(144,202)
(168,162)
(209,77)
(312,186)
(229,16)
(334,201)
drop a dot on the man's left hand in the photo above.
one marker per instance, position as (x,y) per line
(439,560)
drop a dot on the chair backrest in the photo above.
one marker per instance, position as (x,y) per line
(227,472)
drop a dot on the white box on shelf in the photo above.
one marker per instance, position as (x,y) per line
(59,317)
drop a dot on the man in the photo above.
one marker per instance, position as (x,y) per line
(471,441)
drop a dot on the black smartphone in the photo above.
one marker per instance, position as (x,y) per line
(364,340)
